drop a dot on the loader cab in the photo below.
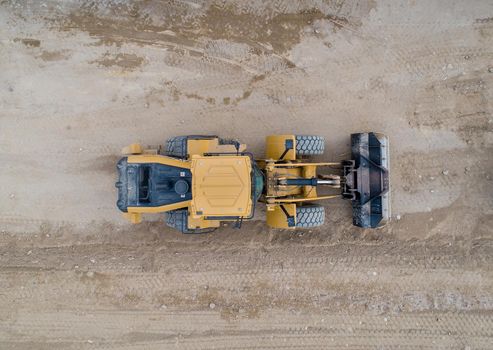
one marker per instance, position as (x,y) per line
(207,189)
(151,184)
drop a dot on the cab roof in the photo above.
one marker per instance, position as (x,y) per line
(221,186)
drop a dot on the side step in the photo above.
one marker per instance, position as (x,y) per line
(366,179)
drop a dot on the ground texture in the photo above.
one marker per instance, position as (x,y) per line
(81,79)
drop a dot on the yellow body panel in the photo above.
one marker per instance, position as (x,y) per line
(194,223)
(276,146)
(134,148)
(159,209)
(155,158)
(199,147)
(276,218)
(134,218)
(221,186)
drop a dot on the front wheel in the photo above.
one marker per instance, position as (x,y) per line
(311,215)
(309,145)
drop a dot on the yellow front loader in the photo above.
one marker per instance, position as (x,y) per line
(200,181)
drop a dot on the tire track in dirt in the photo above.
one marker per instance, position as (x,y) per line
(198,330)
(391,282)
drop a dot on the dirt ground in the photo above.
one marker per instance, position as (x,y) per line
(81,79)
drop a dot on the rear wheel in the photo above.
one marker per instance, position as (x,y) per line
(311,215)
(177,146)
(178,219)
(308,145)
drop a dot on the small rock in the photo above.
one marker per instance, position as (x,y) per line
(90,274)
(450,66)
(163,306)
(385,319)
(206,287)
(90,341)
(467,169)
(81,149)
(490,70)
(432,191)
(398,217)
(76,266)
(374,273)
(467,57)
(146,105)
(445,172)
(432,178)
(29,252)
(12,196)
(93,261)
(468,142)
(212,305)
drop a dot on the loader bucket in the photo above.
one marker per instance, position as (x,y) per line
(366,179)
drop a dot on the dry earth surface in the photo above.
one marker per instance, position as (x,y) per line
(81,79)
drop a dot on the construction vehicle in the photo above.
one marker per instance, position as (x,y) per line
(201,181)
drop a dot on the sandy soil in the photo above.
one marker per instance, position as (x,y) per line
(81,79)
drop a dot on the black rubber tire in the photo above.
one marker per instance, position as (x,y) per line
(311,215)
(309,145)
(176,147)
(178,219)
